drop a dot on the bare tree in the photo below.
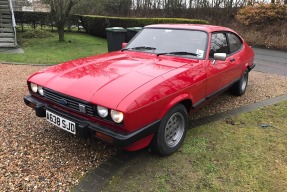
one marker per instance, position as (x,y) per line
(60,9)
(117,7)
(89,7)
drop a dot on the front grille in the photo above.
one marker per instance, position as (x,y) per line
(71,103)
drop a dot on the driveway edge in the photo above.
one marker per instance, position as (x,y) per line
(243,109)
(98,177)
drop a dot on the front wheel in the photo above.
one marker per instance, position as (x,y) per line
(240,86)
(171,132)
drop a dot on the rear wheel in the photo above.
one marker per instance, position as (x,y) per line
(240,86)
(171,132)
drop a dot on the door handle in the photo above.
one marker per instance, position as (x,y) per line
(232,59)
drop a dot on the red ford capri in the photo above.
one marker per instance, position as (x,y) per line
(143,94)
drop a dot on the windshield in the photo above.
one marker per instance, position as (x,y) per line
(185,43)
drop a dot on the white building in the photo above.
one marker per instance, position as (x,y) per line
(30,5)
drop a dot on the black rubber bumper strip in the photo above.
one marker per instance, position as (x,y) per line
(119,138)
(252,66)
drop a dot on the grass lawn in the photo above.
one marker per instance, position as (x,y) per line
(234,154)
(48,50)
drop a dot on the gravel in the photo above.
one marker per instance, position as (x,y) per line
(261,86)
(36,156)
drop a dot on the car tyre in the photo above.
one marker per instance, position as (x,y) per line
(171,132)
(240,86)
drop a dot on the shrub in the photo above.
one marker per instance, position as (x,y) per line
(96,25)
(37,33)
(262,14)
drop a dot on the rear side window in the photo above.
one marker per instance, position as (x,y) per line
(218,44)
(235,42)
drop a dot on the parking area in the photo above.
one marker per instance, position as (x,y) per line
(271,61)
(37,156)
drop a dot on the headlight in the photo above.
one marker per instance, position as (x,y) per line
(40,90)
(34,87)
(102,111)
(117,116)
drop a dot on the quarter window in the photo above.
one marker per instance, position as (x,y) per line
(235,42)
(218,44)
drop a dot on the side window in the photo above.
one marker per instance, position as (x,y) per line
(235,42)
(218,44)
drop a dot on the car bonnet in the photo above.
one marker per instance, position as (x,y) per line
(104,80)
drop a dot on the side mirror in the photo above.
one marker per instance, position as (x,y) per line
(124,45)
(220,56)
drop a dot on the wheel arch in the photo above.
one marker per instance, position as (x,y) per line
(183,99)
(187,103)
(172,130)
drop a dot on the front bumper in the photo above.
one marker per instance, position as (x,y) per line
(82,125)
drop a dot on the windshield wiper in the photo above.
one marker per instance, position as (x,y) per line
(139,48)
(178,53)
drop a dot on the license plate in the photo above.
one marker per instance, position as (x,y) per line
(61,122)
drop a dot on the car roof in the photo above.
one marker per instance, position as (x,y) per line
(208,28)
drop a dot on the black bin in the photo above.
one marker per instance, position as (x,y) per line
(131,32)
(115,37)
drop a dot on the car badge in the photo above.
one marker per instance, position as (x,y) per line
(63,102)
(82,108)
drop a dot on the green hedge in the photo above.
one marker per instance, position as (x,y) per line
(31,17)
(41,18)
(96,25)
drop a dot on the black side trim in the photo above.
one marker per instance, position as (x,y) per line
(119,138)
(222,89)
(199,103)
(214,94)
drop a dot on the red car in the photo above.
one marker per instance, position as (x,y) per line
(142,94)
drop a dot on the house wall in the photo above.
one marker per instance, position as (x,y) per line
(30,5)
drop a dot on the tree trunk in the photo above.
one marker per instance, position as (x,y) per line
(61,30)
(61,34)
(61,9)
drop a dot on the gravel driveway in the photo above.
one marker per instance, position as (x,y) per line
(36,156)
